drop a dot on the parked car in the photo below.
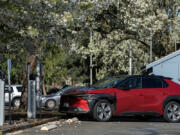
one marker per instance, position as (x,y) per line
(52,100)
(16,91)
(53,91)
(133,95)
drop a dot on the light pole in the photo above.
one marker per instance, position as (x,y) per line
(150,57)
(91,61)
(130,57)
(91,68)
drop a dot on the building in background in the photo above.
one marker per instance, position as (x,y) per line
(168,66)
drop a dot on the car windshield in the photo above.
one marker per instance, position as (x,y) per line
(63,89)
(52,91)
(108,82)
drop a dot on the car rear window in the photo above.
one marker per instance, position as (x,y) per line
(19,89)
(152,83)
(132,83)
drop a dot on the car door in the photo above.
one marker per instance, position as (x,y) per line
(6,92)
(131,99)
(154,93)
(179,74)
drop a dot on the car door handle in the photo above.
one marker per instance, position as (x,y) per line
(140,94)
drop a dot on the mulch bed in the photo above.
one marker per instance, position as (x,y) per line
(20,121)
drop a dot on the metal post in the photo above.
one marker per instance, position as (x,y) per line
(130,58)
(38,79)
(29,111)
(40,90)
(9,82)
(91,63)
(150,57)
(91,68)
(1,102)
(175,45)
(38,83)
(33,87)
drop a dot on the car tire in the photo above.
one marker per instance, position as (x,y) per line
(51,104)
(102,111)
(172,112)
(16,102)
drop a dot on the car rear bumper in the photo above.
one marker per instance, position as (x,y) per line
(74,110)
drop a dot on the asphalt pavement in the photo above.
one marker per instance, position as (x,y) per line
(117,126)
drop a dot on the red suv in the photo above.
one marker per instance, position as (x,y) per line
(133,95)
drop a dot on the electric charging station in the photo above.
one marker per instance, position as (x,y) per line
(1,102)
(31,111)
(2,84)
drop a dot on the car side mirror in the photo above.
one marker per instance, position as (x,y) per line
(124,87)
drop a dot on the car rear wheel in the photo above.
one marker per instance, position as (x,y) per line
(16,102)
(50,104)
(102,111)
(172,112)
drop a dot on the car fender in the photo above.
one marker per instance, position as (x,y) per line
(171,98)
(12,100)
(16,97)
(99,96)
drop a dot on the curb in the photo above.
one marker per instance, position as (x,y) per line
(29,125)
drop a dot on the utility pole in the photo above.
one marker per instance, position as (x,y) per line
(130,57)
(150,57)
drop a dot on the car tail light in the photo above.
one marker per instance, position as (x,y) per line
(79,102)
(73,101)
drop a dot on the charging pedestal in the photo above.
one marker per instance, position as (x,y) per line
(31,99)
(1,102)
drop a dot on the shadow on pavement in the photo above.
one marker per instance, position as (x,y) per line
(119,118)
(22,116)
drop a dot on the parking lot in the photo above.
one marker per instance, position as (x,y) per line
(117,126)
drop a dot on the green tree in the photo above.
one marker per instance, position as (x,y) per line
(28,26)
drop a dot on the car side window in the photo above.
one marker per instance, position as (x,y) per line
(6,90)
(152,83)
(133,83)
(112,84)
(19,89)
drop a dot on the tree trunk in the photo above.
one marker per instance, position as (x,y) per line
(32,61)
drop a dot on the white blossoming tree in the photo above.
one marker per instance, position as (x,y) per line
(27,26)
(121,21)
